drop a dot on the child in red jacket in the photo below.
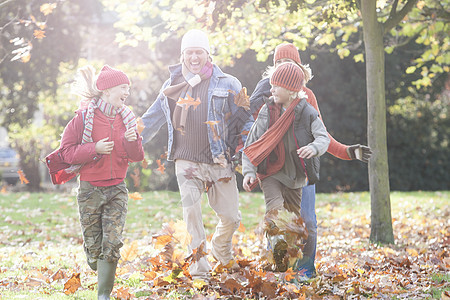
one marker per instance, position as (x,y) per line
(101,139)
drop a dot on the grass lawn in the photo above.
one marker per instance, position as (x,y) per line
(40,234)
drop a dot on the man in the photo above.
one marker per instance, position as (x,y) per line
(204,124)
(287,52)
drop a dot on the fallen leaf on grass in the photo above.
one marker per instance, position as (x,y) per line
(129,252)
(72,284)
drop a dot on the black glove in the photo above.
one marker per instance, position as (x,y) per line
(359,152)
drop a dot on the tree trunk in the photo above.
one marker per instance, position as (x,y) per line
(381,221)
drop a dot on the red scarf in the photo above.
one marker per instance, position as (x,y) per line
(272,140)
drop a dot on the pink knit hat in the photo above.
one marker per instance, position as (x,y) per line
(287,50)
(110,77)
(288,76)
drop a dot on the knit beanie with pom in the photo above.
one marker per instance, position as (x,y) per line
(110,77)
(286,50)
(288,76)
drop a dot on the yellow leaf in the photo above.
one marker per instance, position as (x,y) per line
(412,252)
(47,8)
(199,283)
(181,234)
(129,252)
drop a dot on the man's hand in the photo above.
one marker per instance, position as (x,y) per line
(104,147)
(359,152)
(130,134)
(247,182)
(306,152)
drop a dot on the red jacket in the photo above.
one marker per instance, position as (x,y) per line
(96,166)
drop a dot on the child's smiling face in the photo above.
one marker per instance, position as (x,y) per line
(280,95)
(117,95)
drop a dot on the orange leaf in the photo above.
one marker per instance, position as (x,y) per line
(289,274)
(149,275)
(3,191)
(241,227)
(162,240)
(123,294)
(22,177)
(129,252)
(58,275)
(72,284)
(135,175)
(161,167)
(189,101)
(39,34)
(135,196)
(145,164)
(224,179)
(140,125)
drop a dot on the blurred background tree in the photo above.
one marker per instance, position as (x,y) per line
(143,38)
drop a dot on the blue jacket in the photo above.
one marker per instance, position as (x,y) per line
(233,120)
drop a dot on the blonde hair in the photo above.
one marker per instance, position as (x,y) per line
(85,83)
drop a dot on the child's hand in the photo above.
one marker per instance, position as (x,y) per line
(130,134)
(248,180)
(306,152)
(103,146)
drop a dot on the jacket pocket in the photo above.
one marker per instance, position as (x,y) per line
(219,100)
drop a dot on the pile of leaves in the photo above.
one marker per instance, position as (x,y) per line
(348,266)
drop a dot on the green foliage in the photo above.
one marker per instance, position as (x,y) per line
(332,25)
(418,137)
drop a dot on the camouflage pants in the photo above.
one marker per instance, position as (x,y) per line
(103,211)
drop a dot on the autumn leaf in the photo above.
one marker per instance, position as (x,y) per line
(3,190)
(144,164)
(135,196)
(197,253)
(22,177)
(189,101)
(224,179)
(123,294)
(47,8)
(181,234)
(72,284)
(241,227)
(135,175)
(129,252)
(211,123)
(213,129)
(58,275)
(149,275)
(199,283)
(164,155)
(242,99)
(289,274)
(162,240)
(39,34)
(139,125)
(161,167)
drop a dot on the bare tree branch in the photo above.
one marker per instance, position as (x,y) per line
(396,17)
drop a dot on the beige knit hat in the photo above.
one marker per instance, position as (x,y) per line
(195,38)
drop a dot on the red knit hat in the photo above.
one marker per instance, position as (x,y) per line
(110,77)
(288,76)
(286,50)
